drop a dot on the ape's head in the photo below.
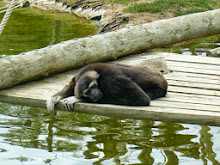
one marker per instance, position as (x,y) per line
(87,86)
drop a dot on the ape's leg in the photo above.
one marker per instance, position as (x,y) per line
(156,92)
(123,91)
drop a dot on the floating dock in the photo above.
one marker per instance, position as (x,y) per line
(193,93)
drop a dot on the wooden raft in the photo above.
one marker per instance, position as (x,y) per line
(193,93)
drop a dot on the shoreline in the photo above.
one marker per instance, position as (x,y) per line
(110,17)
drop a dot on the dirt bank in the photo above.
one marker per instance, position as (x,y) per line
(112,16)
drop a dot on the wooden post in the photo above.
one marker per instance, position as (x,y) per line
(78,52)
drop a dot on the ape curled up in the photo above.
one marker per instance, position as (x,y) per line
(111,84)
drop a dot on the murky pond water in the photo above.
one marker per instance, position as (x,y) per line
(32,29)
(197,47)
(31,135)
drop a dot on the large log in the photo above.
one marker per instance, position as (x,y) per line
(78,52)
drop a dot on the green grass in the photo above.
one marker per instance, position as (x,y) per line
(124,2)
(178,7)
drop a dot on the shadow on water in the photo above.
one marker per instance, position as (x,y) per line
(91,139)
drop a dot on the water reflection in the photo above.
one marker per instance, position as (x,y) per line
(92,139)
(29,29)
(197,47)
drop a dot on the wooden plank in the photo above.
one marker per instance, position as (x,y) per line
(194,70)
(193,59)
(193,75)
(186,77)
(193,91)
(194,84)
(33,92)
(151,112)
(183,58)
(192,98)
(185,105)
(193,65)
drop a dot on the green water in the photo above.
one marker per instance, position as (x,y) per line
(31,135)
(32,29)
(196,47)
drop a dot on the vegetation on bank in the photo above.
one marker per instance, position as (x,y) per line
(177,7)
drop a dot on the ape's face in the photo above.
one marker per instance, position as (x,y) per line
(87,86)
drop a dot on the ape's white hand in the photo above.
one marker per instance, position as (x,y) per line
(51,102)
(69,102)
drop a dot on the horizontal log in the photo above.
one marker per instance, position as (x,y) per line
(152,112)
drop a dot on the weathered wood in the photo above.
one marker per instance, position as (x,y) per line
(175,57)
(195,75)
(213,52)
(183,77)
(192,98)
(192,59)
(186,105)
(184,83)
(152,61)
(151,113)
(78,52)
(194,70)
(193,65)
(194,91)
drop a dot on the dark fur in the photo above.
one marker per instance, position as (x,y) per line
(122,84)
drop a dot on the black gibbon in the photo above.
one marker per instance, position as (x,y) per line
(112,84)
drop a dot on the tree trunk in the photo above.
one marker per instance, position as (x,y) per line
(78,52)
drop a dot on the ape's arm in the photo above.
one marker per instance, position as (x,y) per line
(67,91)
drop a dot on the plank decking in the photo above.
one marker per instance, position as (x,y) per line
(193,93)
